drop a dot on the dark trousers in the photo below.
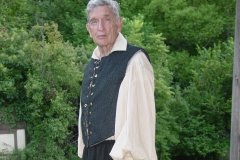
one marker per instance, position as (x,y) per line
(98,152)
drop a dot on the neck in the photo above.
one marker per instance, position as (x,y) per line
(105,50)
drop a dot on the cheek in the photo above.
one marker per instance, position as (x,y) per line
(92,34)
(114,31)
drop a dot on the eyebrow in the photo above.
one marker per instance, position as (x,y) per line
(104,16)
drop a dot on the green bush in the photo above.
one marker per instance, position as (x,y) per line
(40,85)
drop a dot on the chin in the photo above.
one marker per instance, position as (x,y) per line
(102,44)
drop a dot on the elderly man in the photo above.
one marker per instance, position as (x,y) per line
(117,109)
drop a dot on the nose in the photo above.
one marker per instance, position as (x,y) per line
(100,24)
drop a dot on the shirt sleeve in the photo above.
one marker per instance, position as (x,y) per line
(80,140)
(135,114)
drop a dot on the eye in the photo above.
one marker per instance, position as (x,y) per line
(107,19)
(93,22)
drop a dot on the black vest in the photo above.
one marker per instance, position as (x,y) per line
(100,87)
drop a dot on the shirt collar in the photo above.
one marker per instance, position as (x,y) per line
(119,45)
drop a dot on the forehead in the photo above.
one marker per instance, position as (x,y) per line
(101,11)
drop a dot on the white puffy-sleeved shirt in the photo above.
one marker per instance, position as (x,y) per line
(135,113)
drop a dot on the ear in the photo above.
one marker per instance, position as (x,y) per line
(88,30)
(119,24)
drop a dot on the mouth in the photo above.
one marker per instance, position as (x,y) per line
(101,36)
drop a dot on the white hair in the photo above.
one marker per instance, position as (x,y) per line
(113,5)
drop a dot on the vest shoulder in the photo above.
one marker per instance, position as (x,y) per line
(134,49)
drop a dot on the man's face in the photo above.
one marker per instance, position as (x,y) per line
(103,27)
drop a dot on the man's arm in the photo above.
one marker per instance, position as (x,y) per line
(80,140)
(135,115)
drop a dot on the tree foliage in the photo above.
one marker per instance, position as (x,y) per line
(36,88)
(207,98)
(44,47)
